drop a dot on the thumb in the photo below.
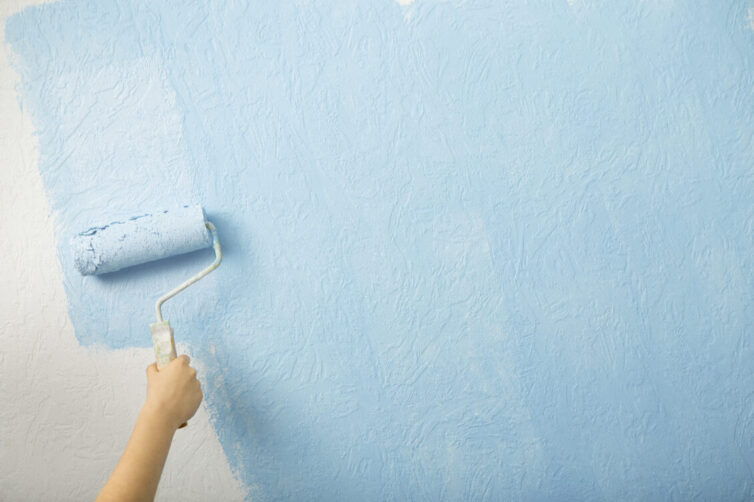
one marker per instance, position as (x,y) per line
(151,371)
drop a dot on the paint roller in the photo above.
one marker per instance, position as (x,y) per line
(146,238)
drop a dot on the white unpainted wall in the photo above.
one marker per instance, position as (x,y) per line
(67,411)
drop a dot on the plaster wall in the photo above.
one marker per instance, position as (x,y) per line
(473,250)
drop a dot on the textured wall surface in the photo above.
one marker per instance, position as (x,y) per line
(476,250)
(66,410)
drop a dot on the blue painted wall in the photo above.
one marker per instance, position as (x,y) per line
(476,250)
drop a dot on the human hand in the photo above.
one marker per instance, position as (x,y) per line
(173,393)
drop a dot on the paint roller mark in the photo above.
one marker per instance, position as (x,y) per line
(750,18)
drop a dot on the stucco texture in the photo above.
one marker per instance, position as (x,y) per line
(478,250)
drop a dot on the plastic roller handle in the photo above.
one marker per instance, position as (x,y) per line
(164,346)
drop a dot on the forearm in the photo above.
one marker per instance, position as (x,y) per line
(138,471)
(173,395)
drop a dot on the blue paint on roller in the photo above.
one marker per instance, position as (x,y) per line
(140,239)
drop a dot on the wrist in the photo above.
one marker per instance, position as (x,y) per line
(157,419)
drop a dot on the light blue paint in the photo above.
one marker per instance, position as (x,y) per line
(473,250)
(140,239)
